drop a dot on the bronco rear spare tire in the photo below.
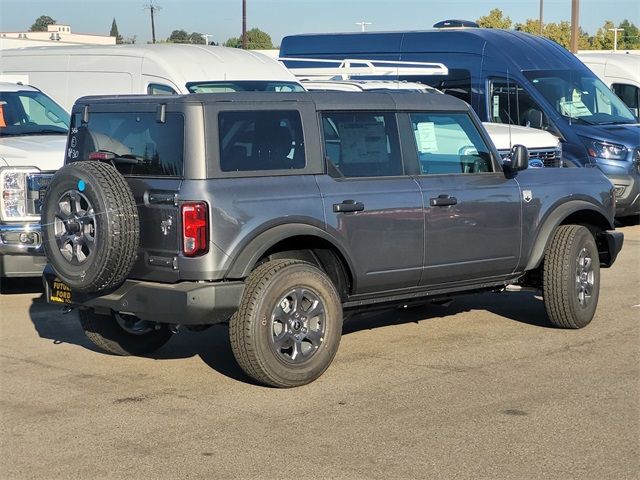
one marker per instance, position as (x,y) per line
(90,226)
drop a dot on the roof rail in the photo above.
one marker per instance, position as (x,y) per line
(345,69)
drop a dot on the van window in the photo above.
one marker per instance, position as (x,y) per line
(580,97)
(160,89)
(457,83)
(243,86)
(361,144)
(136,143)
(511,104)
(629,94)
(449,143)
(260,140)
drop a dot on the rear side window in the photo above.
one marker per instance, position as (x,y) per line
(361,144)
(457,83)
(449,143)
(261,140)
(136,143)
(629,94)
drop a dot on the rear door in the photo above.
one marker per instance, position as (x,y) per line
(148,151)
(471,211)
(371,206)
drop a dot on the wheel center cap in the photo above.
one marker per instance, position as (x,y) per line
(296,325)
(73,226)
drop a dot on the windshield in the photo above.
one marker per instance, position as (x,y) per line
(243,86)
(581,97)
(31,113)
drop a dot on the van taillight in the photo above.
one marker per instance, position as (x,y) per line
(195,229)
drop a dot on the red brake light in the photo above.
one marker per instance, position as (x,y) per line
(101,156)
(195,229)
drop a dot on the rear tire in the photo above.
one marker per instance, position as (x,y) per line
(123,335)
(289,324)
(571,280)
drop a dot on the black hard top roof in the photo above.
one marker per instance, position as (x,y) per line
(322,100)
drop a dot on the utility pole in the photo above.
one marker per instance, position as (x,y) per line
(540,28)
(153,9)
(615,36)
(575,24)
(363,24)
(244,24)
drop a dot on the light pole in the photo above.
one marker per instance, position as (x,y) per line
(244,24)
(615,36)
(206,37)
(363,24)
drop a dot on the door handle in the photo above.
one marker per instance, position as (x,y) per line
(443,200)
(348,206)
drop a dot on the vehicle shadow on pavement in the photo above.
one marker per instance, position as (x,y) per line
(213,347)
(522,307)
(13,286)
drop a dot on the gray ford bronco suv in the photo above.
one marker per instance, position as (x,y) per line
(278,212)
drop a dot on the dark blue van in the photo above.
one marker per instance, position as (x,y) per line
(511,77)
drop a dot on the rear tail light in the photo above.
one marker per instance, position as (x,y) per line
(104,156)
(195,229)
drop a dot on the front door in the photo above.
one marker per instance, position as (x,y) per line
(471,209)
(371,206)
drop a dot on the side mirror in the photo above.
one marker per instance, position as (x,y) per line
(518,158)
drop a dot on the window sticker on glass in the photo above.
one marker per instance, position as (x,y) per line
(496,106)
(363,143)
(426,137)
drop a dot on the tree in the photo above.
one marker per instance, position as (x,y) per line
(603,39)
(178,36)
(114,32)
(558,32)
(256,40)
(629,38)
(495,19)
(41,23)
(197,38)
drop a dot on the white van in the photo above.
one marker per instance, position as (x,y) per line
(67,73)
(33,138)
(620,71)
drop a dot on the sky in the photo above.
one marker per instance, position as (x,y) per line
(222,19)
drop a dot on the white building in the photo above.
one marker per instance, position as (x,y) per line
(58,33)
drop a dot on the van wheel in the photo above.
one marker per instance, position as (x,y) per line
(289,324)
(123,334)
(90,226)
(571,278)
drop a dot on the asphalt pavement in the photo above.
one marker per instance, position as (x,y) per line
(483,388)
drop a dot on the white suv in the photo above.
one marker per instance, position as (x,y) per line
(33,135)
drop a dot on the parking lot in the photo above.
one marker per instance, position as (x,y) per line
(483,388)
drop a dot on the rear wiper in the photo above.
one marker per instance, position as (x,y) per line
(109,156)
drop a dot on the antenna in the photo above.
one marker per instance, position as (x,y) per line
(509,107)
(153,9)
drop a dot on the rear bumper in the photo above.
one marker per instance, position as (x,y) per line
(186,303)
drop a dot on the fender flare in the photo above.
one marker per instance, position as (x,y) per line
(551,222)
(251,252)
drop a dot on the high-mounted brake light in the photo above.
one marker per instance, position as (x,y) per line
(195,229)
(101,156)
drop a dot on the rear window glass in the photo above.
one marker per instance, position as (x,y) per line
(260,140)
(135,143)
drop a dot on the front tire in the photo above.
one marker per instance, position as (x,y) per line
(289,324)
(123,334)
(571,283)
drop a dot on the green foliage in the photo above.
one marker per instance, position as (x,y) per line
(560,32)
(256,40)
(114,32)
(41,23)
(181,36)
(495,19)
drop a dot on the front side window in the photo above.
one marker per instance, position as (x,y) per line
(31,113)
(135,143)
(261,140)
(512,104)
(361,144)
(243,86)
(580,97)
(629,94)
(449,143)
